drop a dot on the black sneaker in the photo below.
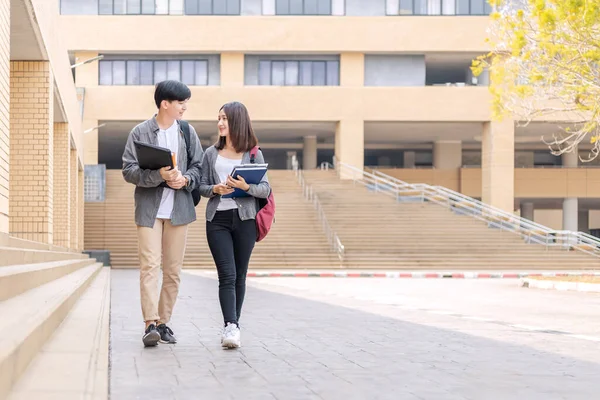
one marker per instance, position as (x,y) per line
(151,336)
(166,334)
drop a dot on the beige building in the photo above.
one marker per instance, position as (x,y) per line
(41,146)
(377,83)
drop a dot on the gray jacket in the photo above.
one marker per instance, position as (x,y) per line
(247,206)
(148,194)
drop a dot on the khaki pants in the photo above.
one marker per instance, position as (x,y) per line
(167,242)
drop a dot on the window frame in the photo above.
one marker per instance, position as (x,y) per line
(304,13)
(112,12)
(153,61)
(212,8)
(298,80)
(485,4)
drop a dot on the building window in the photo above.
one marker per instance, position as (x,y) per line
(212,7)
(131,7)
(150,72)
(298,73)
(78,7)
(439,7)
(303,7)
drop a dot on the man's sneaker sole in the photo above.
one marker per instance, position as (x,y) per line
(167,341)
(151,339)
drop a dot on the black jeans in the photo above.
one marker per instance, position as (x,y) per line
(231,242)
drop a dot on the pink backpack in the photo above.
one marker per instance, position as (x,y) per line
(266,208)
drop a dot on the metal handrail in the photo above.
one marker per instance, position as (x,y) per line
(530,231)
(309,194)
(326,166)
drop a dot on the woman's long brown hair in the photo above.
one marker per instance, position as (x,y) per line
(241,133)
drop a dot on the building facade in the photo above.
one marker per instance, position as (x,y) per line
(376,83)
(41,146)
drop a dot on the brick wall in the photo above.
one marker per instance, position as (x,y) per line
(74,216)
(4,111)
(62,185)
(31,150)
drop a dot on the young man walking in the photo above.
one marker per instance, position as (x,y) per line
(163,206)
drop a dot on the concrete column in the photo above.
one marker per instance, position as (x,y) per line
(86,75)
(31,150)
(290,157)
(90,141)
(309,153)
(570,214)
(232,69)
(447,154)
(527,210)
(74,216)
(4,114)
(62,185)
(570,204)
(352,69)
(570,160)
(350,144)
(583,222)
(498,164)
(410,159)
(80,208)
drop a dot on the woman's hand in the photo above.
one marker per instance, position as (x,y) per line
(222,189)
(239,183)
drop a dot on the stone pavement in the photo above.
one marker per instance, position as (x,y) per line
(298,347)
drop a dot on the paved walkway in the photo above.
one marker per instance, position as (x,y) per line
(302,343)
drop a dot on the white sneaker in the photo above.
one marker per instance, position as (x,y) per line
(231,336)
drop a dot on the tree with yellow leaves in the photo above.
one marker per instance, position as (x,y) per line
(546,62)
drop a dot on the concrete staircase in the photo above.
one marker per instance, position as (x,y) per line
(378,232)
(39,285)
(295,241)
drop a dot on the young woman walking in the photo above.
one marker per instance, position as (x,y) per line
(230,222)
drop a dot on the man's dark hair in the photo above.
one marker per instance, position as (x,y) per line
(241,133)
(171,91)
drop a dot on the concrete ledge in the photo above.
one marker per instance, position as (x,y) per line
(18,256)
(561,285)
(21,278)
(10,241)
(74,362)
(30,319)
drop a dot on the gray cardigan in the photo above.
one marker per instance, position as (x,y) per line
(148,193)
(247,206)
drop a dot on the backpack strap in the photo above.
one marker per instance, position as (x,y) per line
(253,154)
(185,128)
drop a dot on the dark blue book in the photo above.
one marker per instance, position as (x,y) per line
(252,174)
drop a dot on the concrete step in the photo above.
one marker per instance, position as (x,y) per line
(10,241)
(73,363)
(18,279)
(16,256)
(28,320)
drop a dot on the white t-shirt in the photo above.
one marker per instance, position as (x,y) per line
(224,166)
(169,139)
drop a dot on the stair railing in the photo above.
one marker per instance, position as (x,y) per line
(530,231)
(309,194)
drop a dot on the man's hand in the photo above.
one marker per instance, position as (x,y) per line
(239,183)
(222,189)
(178,182)
(169,174)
